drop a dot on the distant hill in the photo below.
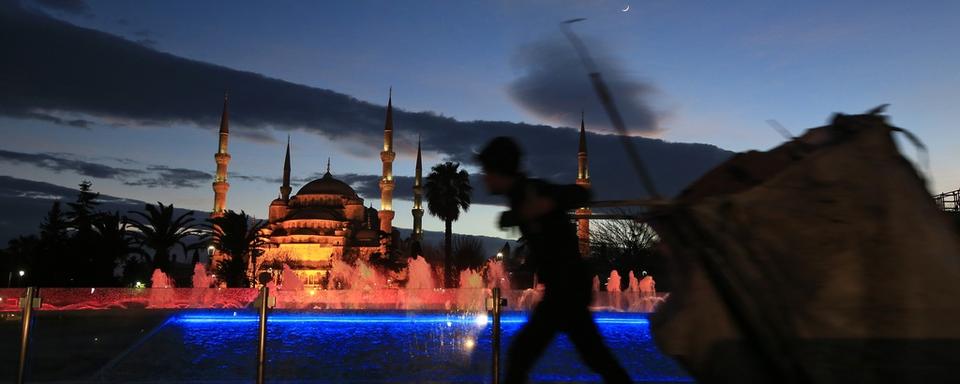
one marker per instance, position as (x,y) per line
(24,203)
(490,244)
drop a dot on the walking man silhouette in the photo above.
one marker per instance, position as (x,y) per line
(540,209)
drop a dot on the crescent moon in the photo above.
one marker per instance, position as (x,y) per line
(626,9)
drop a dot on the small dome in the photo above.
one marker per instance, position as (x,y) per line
(278,202)
(327,185)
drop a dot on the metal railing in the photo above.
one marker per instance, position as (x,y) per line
(496,334)
(948,201)
(28,302)
(264,303)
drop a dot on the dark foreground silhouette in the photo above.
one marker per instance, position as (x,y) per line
(540,209)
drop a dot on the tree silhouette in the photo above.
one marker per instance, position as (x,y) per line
(82,212)
(58,265)
(237,235)
(448,191)
(626,245)
(160,230)
(82,217)
(20,255)
(468,252)
(114,245)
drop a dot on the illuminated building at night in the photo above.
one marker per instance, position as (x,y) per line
(326,218)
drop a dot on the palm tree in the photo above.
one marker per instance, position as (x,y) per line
(160,230)
(448,190)
(114,245)
(238,236)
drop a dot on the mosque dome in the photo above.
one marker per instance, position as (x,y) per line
(327,185)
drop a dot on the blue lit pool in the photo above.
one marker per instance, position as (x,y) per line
(393,347)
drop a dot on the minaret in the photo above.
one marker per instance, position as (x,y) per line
(386,181)
(583,179)
(220,185)
(418,198)
(285,188)
(279,207)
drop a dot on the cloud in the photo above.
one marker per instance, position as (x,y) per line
(39,195)
(264,179)
(111,78)
(368,186)
(74,7)
(61,164)
(42,116)
(172,178)
(151,176)
(160,176)
(554,86)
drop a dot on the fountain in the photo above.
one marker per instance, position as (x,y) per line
(470,279)
(289,280)
(200,277)
(160,279)
(613,282)
(420,284)
(614,296)
(362,286)
(633,285)
(530,297)
(645,299)
(497,275)
(647,287)
(161,294)
(200,296)
(419,274)
(359,286)
(359,277)
(471,282)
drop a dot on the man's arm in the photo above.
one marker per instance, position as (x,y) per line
(570,196)
(546,198)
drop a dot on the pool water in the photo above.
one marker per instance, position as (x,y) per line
(381,347)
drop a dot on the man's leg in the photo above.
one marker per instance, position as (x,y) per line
(528,345)
(586,338)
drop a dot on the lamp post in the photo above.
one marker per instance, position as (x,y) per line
(21,273)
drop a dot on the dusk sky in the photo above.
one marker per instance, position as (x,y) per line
(708,72)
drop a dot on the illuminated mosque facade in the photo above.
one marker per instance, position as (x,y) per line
(327,219)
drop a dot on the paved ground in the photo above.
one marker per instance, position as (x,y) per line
(69,345)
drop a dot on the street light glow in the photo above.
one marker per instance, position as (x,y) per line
(22,272)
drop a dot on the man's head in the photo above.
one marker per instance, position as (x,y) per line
(500,160)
